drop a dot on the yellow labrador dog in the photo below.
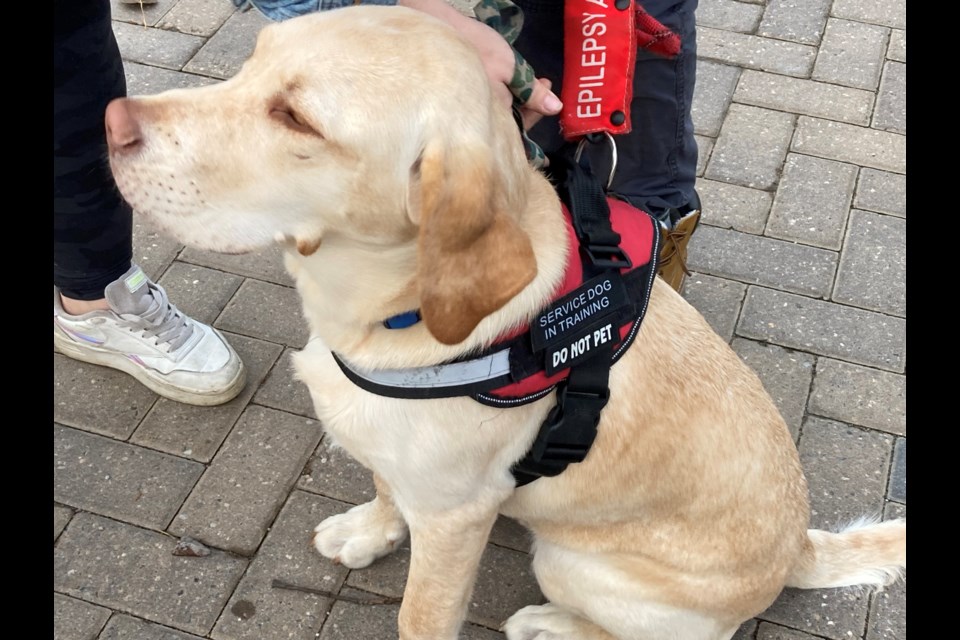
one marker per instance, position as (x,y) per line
(366,140)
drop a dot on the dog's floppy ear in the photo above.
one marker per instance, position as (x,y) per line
(472,257)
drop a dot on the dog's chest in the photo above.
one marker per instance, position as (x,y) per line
(412,441)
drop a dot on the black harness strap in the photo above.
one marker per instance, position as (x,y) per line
(566,435)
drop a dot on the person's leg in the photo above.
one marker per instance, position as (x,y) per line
(105,309)
(657,160)
(92,225)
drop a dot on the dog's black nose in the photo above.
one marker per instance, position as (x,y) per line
(123,132)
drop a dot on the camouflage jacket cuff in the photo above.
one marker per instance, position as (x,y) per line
(283,9)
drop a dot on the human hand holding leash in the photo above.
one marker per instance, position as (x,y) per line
(510,76)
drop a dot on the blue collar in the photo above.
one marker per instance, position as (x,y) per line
(403,320)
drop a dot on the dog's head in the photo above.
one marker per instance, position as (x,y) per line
(374,123)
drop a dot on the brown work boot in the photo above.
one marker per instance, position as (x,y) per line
(673,243)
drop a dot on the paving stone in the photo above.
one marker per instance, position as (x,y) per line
(729,15)
(759,260)
(142,14)
(266,311)
(891,111)
(888,609)
(892,13)
(505,583)
(755,52)
(133,570)
(350,621)
(246,483)
(824,328)
(893,511)
(711,98)
(849,143)
(734,207)
(123,627)
(873,264)
(75,619)
(119,480)
(198,17)
(752,145)
(387,576)
(898,473)
(199,292)
(808,97)
(747,631)
(286,554)
(704,149)
(898,45)
(846,470)
(266,264)
(152,250)
(851,54)
(333,473)
(61,517)
(225,52)
(197,432)
(98,399)
(769,631)
(812,201)
(882,192)
(509,533)
(281,390)
(795,20)
(785,374)
(888,614)
(717,299)
(155,47)
(860,395)
(836,614)
(144,80)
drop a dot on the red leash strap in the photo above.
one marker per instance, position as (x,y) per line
(654,36)
(599,49)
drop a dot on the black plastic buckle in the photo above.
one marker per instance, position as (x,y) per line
(607,256)
(570,428)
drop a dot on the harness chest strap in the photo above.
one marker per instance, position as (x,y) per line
(495,376)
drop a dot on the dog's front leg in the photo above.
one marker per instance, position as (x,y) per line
(445,553)
(364,533)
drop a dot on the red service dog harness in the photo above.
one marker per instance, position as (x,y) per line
(570,345)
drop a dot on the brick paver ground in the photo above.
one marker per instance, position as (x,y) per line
(800,264)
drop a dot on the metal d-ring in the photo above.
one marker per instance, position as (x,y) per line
(613,152)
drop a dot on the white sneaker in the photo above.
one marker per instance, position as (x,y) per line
(149,338)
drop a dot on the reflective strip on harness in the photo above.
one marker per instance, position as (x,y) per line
(511,373)
(436,381)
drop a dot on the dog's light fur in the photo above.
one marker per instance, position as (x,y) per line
(366,140)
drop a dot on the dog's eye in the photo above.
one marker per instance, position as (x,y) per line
(290,118)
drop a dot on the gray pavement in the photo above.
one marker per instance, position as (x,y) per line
(800,263)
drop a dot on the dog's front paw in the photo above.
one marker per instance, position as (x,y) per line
(550,622)
(360,536)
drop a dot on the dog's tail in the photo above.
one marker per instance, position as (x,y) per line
(866,553)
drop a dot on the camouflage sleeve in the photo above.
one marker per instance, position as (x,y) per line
(506,18)
(283,9)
